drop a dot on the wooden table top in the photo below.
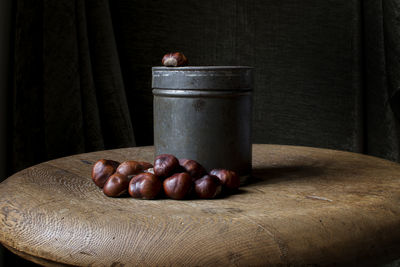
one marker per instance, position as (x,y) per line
(303,206)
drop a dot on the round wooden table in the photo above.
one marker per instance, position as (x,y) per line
(303,206)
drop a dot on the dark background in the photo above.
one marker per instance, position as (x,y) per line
(76,75)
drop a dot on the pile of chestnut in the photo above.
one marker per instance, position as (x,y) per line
(170,177)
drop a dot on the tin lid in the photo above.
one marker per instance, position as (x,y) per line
(203,78)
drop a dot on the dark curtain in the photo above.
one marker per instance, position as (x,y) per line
(327,72)
(68,95)
(381,45)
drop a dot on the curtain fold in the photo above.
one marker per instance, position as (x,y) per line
(391,32)
(69,95)
(27,133)
(381,60)
(113,106)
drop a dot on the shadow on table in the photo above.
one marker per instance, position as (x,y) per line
(285,173)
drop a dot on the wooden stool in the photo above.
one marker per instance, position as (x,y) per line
(303,206)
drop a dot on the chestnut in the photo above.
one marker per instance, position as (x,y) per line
(208,186)
(131,167)
(145,165)
(176,59)
(228,178)
(165,165)
(145,185)
(150,170)
(116,185)
(194,168)
(102,170)
(178,186)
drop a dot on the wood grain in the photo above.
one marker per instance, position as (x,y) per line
(303,206)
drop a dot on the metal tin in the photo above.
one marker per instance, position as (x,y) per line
(204,113)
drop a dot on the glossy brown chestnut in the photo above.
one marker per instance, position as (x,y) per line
(146,165)
(150,170)
(194,168)
(208,186)
(131,167)
(176,59)
(178,186)
(228,178)
(145,186)
(165,165)
(116,185)
(102,170)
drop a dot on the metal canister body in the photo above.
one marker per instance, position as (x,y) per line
(204,113)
